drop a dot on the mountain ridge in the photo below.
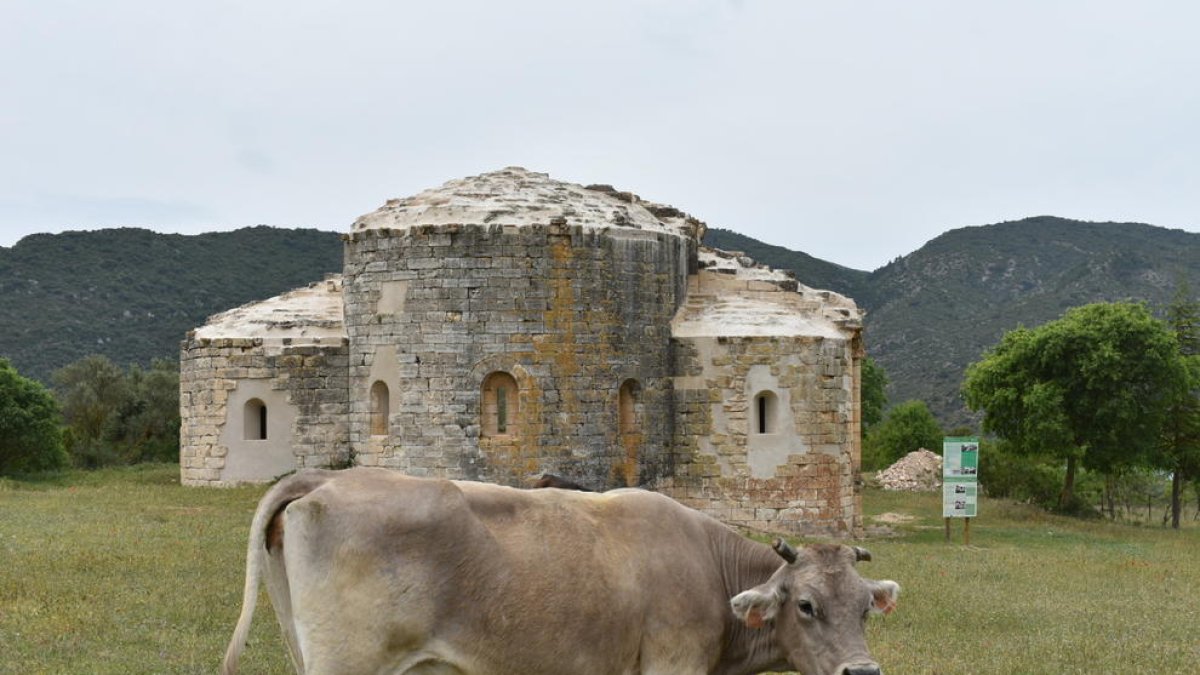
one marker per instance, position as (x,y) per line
(132,294)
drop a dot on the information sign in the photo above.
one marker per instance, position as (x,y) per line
(960,500)
(960,457)
(960,477)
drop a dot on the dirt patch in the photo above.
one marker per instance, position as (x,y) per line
(890,518)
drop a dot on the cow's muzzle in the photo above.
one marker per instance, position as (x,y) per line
(860,669)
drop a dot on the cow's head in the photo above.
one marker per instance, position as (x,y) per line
(817,605)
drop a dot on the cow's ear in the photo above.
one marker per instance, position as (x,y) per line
(884,595)
(756,606)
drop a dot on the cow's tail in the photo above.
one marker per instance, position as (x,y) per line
(277,498)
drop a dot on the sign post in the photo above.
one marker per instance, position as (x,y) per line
(960,481)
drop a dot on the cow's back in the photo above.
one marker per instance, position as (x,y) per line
(389,571)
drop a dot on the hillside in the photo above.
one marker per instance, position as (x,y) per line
(132,294)
(811,271)
(934,311)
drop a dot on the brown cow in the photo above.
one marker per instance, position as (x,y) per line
(371,571)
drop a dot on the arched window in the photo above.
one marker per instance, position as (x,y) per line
(628,400)
(499,403)
(766,413)
(379,408)
(255,414)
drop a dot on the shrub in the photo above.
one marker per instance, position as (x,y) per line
(909,426)
(30,431)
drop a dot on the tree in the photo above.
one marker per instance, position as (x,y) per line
(1093,386)
(874,394)
(146,425)
(1181,434)
(91,391)
(909,426)
(117,417)
(30,425)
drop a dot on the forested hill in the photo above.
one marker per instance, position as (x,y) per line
(133,294)
(933,312)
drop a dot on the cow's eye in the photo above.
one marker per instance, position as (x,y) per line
(807,609)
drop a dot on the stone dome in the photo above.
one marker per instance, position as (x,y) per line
(516,197)
(306,315)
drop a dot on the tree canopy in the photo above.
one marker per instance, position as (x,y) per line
(1093,386)
(909,426)
(1181,435)
(119,417)
(30,431)
(874,392)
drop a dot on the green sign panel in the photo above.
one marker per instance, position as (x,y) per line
(960,476)
(960,457)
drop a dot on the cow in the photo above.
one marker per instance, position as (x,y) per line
(373,571)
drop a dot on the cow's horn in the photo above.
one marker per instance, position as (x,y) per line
(785,550)
(861,553)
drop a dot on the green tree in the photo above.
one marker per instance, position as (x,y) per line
(30,425)
(146,425)
(1181,433)
(91,391)
(874,393)
(116,417)
(1093,386)
(909,426)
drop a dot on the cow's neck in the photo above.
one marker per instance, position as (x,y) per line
(746,564)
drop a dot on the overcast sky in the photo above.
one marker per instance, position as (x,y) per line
(853,131)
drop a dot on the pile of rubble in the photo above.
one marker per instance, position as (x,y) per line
(919,471)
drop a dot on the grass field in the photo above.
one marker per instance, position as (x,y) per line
(125,571)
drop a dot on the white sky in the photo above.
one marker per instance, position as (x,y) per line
(853,131)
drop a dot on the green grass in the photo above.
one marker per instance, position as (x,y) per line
(1034,593)
(124,571)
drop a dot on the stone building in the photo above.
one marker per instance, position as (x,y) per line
(508,324)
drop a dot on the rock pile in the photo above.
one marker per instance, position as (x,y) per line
(919,471)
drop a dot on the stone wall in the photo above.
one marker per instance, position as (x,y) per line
(304,389)
(571,313)
(799,477)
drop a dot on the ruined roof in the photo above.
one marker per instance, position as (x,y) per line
(733,296)
(308,315)
(516,196)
